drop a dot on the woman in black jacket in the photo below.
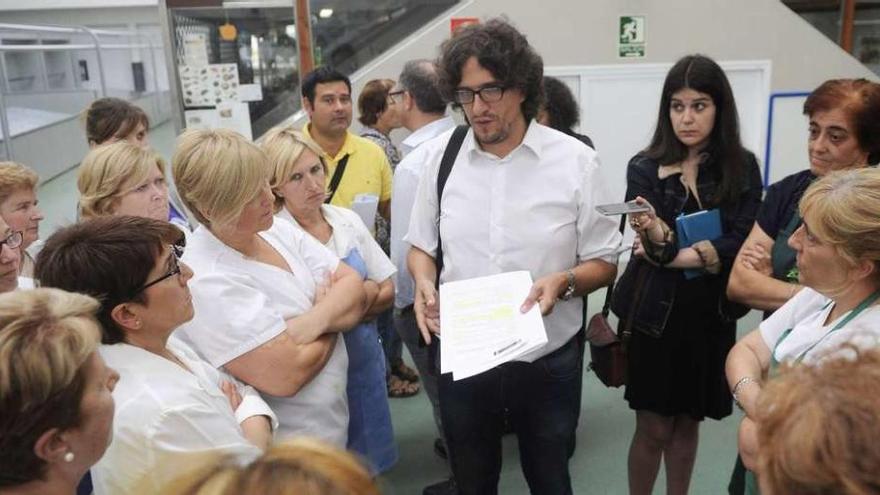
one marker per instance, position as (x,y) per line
(671,295)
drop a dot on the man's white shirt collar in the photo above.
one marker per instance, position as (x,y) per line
(531,141)
(427,132)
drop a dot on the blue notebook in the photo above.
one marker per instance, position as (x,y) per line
(703,225)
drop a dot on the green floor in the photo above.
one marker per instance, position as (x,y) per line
(606,424)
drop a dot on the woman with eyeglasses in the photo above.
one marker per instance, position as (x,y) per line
(172,407)
(843,134)
(837,255)
(110,120)
(19,208)
(122,179)
(10,257)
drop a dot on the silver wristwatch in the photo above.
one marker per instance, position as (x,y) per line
(569,289)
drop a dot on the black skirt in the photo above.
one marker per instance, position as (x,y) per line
(682,371)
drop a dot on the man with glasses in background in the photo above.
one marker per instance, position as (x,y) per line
(519,196)
(422,111)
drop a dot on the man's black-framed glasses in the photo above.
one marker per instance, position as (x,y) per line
(13,240)
(489,94)
(176,253)
(396,96)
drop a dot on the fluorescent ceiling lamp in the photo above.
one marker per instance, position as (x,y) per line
(257,4)
(255,52)
(325,13)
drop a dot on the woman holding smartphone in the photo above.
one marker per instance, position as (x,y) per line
(680,336)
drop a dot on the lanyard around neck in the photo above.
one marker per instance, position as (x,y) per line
(868,301)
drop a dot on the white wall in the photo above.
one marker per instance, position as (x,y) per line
(584,33)
(580,33)
(568,32)
(619,105)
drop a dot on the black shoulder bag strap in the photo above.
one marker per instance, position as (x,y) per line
(446,163)
(606,308)
(337,178)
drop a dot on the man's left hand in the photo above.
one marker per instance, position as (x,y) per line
(545,292)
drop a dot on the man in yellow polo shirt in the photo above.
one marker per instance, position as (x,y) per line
(326,97)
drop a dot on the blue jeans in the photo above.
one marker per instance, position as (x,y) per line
(406,326)
(542,400)
(391,343)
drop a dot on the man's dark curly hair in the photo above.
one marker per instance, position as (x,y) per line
(500,49)
(560,105)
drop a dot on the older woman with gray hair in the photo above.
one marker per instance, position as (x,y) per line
(270,301)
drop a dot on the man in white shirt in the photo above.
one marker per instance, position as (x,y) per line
(520,196)
(422,111)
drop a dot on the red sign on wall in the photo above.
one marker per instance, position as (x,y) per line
(457,22)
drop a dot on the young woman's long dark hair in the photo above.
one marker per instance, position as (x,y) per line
(702,74)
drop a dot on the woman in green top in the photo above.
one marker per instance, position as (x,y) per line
(844,134)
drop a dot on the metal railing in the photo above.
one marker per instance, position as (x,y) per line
(97,45)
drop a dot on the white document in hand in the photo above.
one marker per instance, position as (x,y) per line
(481,324)
(365,206)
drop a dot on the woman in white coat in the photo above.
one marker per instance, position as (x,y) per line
(838,263)
(172,408)
(299,184)
(270,300)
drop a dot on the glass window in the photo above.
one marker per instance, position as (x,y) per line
(228,57)
(350,33)
(245,55)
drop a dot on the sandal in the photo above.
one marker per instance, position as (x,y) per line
(399,388)
(404,372)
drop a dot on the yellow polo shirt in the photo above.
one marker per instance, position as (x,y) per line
(367,172)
